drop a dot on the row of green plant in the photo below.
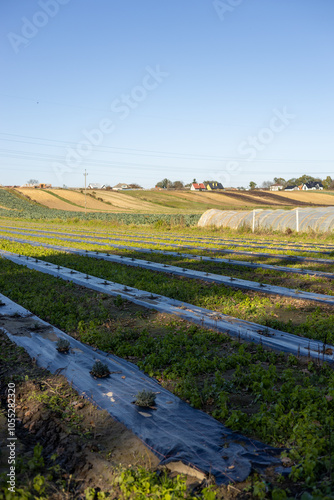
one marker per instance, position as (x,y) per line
(153,254)
(269,311)
(307,283)
(175,243)
(100,227)
(279,399)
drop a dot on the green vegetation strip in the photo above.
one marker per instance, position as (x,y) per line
(307,280)
(269,396)
(192,273)
(287,315)
(172,244)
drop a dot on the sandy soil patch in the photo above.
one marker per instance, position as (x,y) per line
(127,202)
(48,200)
(79,199)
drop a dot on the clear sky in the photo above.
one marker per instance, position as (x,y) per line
(140,90)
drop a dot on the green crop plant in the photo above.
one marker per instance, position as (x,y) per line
(100,370)
(145,398)
(63,345)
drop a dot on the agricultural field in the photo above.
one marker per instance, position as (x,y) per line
(164,202)
(283,398)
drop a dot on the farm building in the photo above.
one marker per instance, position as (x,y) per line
(276,187)
(120,186)
(291,188)
(197,186)
(312,186)
(213,186)
(96,185)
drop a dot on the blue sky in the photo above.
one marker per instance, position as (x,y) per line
(136,91)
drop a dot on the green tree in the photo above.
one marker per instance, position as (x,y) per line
(252,185)
(280,180)
(178,185)
(328,183)
(164,184)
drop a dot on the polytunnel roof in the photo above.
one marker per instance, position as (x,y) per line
(309,218)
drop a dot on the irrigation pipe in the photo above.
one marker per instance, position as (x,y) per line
(245,330)
(200,275)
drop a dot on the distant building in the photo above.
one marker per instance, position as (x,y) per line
(291,188)
(120,186)
(276,187)
(312,185)
(197,187)
(41,185)
(213,186)
(96,185)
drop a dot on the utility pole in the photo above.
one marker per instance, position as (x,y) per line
(85,174)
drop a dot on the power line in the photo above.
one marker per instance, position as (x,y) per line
(158,154)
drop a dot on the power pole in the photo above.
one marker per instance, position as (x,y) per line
(85,174)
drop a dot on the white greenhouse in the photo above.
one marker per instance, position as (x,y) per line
(319,219)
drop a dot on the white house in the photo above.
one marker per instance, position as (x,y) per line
(276,187)
(96,185)
(120,186)
(312,185)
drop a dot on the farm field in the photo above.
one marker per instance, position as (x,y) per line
(281,399)
(151,201)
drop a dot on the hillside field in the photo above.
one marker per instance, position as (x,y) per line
(151,201)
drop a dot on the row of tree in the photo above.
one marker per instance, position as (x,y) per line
(167,184)
(328,183)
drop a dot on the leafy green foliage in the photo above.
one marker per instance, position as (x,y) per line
(145,398)
(100,369)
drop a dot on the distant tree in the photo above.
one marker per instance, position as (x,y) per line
(178,185)
(328,183)
(266,184)
(135,186)
(194,181)
(303,179)
(164,184)
(281,181)
(252,185)
(33,182)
